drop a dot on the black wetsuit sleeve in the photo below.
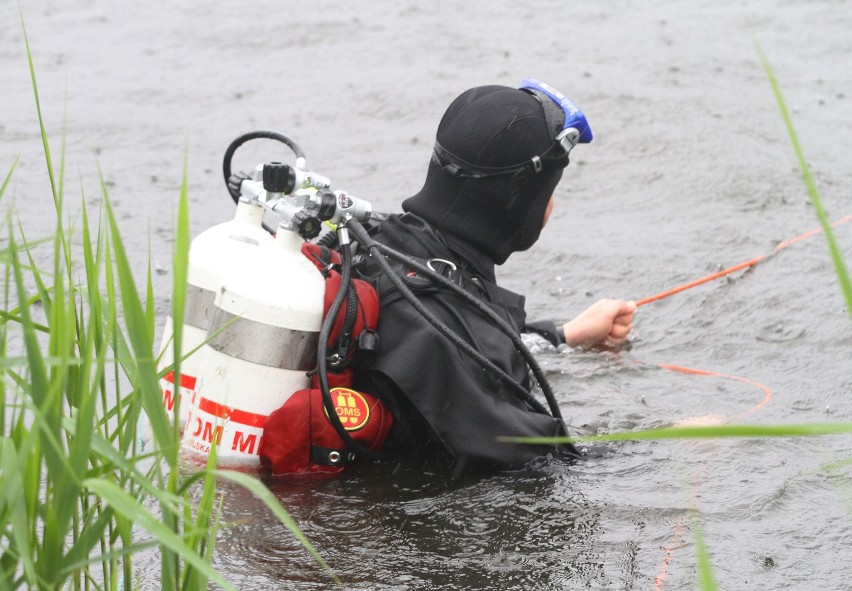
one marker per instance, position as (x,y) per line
(547,329)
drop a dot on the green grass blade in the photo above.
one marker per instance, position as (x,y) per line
(45,143)
(180,271)
(36,275)
(13,502)
(150,304)
(715,431)
(63,147)
(840,267)
(37,367)
(141,341)
(265,495)
(705,567)
(126,505)
(114,337)
(8,176)
(115,461)
(95,526)
(66,481)
(79,450)
(112,555)
(203,541)
(12,317)
(838,465)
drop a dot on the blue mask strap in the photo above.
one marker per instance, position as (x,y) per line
(574,117)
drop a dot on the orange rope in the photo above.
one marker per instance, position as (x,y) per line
(677,542)
(767,391)
(743,265)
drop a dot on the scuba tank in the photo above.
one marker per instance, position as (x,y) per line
(210,255)
(264,331)
(262,341)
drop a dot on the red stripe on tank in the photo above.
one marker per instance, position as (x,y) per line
(186,381)
(221,411)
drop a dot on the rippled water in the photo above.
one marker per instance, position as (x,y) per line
(690,171)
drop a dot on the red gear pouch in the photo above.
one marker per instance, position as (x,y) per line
(298,438)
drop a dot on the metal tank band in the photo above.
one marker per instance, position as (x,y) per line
(272,346)
(200,303)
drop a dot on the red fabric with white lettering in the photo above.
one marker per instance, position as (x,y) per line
(301,423)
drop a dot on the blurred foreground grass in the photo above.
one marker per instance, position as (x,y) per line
(78,385)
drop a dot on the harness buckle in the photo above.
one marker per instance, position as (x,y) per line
(444,263)
(536,162)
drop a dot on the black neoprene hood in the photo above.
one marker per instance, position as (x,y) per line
(492,127)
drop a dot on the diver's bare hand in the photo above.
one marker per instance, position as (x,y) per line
(606,322)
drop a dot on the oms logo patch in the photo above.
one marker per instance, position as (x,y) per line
(352,408)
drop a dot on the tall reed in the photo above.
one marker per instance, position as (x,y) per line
(78,379)
(840,267)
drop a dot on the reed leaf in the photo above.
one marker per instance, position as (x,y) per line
(203,539)
(8,176)
(715,431)
(180,273)
(44,297)
(264,494)
(705,567)
(141,340)
(838,465)
(14,509)
(130,508)
(150,304)
(37,367)
(840,267)
(53,187)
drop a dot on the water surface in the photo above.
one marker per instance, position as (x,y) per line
(690,170)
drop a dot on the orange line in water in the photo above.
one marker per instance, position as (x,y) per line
(668,556)
(740,266)
(675,544)
(685,286)
(767,391)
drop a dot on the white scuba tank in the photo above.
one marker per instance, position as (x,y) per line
(211,255)
(268,314)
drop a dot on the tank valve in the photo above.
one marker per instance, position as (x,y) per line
(278,178)
(305,224)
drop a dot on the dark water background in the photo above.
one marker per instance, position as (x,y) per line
(690,169)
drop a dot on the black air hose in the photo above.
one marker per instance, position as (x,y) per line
(322,361)
(362,237)
(530,359)
(253,135)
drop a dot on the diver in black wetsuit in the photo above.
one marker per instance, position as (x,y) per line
(499,155)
